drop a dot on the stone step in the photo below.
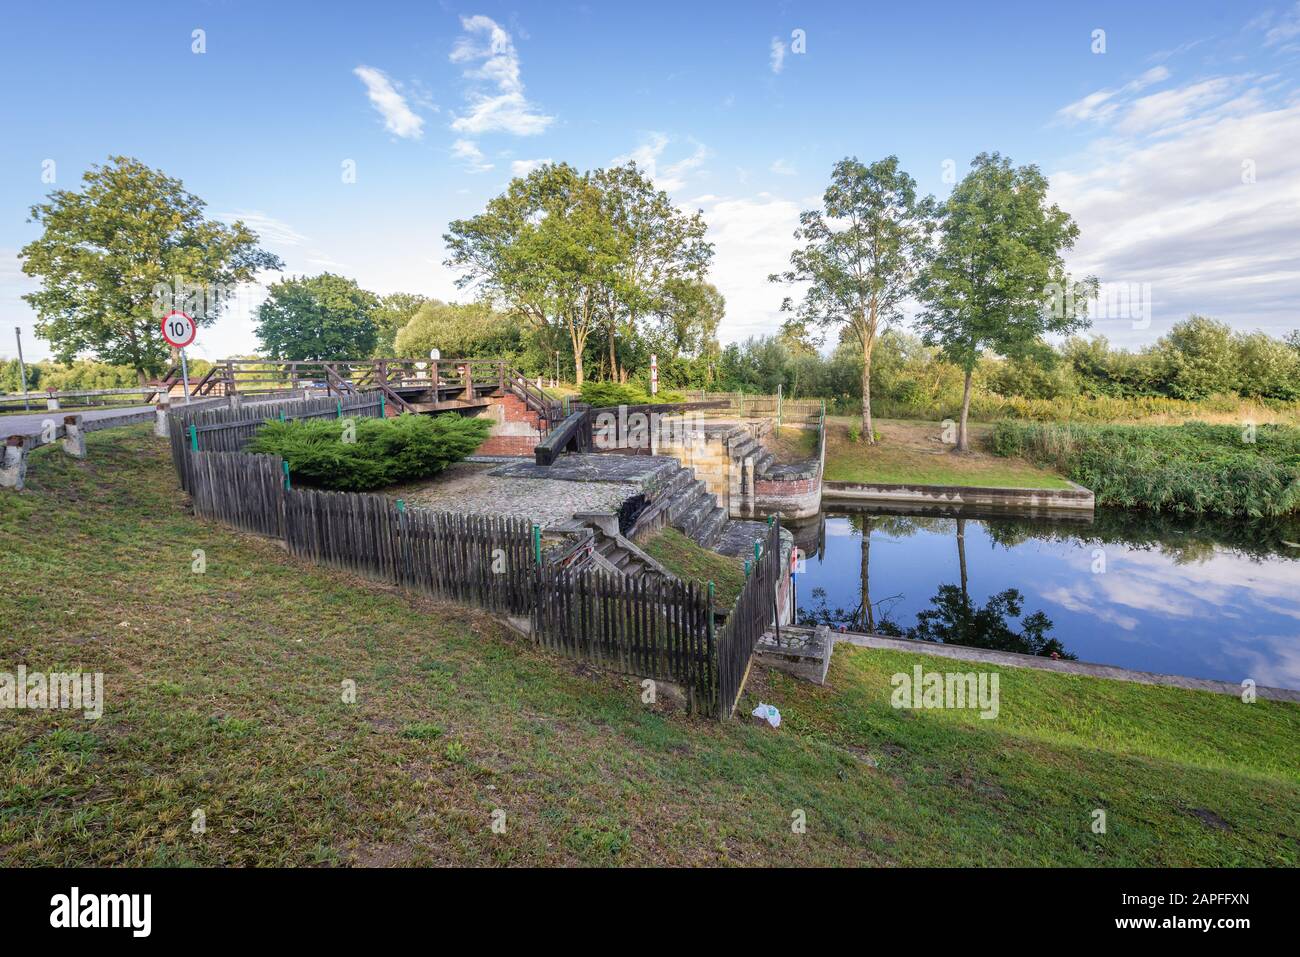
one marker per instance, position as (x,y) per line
(711,528)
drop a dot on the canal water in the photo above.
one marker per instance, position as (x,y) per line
(1201,597)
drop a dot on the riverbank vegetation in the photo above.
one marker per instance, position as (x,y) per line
(222,693)
(1229,470)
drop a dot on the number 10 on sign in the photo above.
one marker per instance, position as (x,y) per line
(179,331)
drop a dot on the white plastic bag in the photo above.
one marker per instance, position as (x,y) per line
(768,713)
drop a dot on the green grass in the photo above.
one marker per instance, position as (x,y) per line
(692,562)
(1223,469)
(911,453)
(223,693)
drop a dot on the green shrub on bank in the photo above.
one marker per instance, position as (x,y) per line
(385,451)
(1196,467)
(605,395)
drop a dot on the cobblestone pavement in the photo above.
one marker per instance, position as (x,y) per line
(470,487)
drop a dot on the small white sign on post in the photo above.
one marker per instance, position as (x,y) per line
(654,375)
(179,330)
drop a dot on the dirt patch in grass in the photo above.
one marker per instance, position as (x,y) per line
(915,453)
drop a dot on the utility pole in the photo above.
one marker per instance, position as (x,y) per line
(22,366)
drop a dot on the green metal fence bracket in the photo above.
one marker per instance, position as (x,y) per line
(537,544)
(286,475)
(338,403)
(401,505)
(282,415)
(194,438)
(746,567)
(383,407)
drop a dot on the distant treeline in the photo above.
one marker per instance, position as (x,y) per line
(1198,359)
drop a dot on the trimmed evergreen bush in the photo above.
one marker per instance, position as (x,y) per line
(607,395)
(385,451)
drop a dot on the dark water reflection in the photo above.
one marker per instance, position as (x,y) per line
(1208,598)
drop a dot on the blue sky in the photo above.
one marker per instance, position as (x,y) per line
(438,104)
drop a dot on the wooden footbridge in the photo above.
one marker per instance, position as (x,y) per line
(409,385)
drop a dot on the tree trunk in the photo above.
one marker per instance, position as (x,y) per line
(867,614)
(578,345)
(961,557)
(962,444)
(868,433)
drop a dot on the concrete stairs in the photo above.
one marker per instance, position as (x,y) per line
(685,503)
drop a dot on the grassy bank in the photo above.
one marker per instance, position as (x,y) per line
(914,453)
(1219,469)
(692,562)
(223,694)
(1148,410)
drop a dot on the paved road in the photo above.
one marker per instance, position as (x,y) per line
(32,424)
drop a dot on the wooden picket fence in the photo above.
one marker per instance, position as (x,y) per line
(481,560)
(650,627)
(751,616)
(654,628)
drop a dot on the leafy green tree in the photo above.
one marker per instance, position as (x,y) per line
(395,311)
(317,317)
(861,254)
(661,251)
(11,376)
(997,279)
(1200,359)
(107,249)
(547,250)
(471,331)
(1266,367)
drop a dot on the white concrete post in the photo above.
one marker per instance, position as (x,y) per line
(74,439)
(52,404)
(160,419)
(13,470)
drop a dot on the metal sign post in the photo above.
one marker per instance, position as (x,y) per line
(179,330)
(654,375)
(22,366)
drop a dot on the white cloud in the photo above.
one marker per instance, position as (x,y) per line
(673,176)
(752,238)
(1162,196)
(526,166)
(271,231)
(507,110)
(776,55)
(1102,104)
(782,168)
(1287,28)
(467,152)
(399,119)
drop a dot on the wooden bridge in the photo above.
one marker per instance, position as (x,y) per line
(409,385)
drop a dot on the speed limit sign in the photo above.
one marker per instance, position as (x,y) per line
(178,329)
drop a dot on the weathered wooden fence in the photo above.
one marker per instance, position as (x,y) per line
(753,613)
(654,628)
(482,560)
(650,627)
(246,491)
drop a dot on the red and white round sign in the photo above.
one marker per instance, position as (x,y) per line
(178,329)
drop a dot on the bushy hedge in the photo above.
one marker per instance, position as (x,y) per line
(1196,467)
(604,395)
(385,451)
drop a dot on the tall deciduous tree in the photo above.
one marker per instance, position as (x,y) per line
(997,279)
(395,311)
(108,248)
(317,317)
(659,247)
(861,254)
(545,250)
